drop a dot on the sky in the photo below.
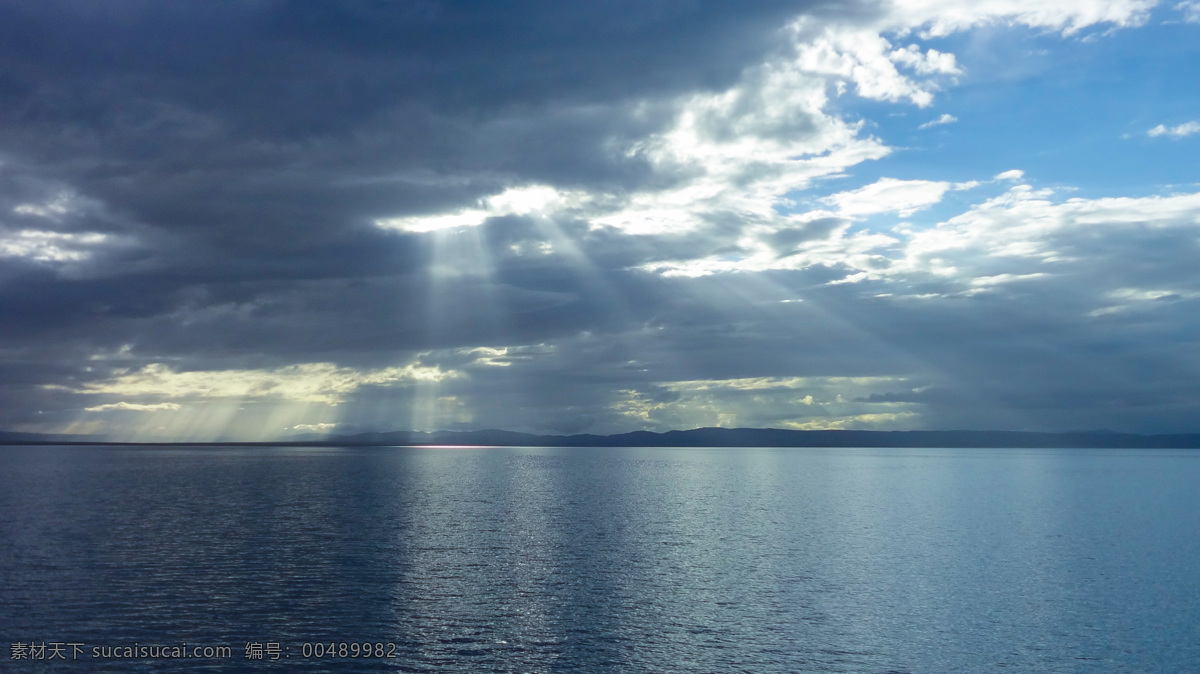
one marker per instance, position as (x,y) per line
(256,219)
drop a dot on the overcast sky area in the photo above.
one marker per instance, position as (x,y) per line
(255,219)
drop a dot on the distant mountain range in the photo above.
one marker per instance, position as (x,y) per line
(703,437)
(15,438)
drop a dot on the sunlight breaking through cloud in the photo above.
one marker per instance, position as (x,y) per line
(49,246)
(774,402)
(704,215)
(528,200)
(135,407)
(311,382)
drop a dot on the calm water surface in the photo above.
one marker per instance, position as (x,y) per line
(520,559)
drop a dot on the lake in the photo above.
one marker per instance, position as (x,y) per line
(542,559)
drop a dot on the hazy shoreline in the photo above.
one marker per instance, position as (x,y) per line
(700,437)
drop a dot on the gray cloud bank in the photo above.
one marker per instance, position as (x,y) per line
(222,219)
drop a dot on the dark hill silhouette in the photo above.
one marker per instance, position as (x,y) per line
(701,437)
(774,437)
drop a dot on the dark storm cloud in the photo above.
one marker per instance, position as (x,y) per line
(196,187)
(161,82)
(259,140)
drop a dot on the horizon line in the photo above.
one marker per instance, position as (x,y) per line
(696,437)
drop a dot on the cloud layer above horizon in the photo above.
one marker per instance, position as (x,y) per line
(249,220)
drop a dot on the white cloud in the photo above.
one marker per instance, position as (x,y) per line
(736,154)
(1024,229)
(889,195)
(1191,10)
(744,148)
(311,382)
(1000,279)
(944,119)
(858,52)
(318,428)
(937,18)
(61,230)
(999,242)
(54,208)
(872,421)
(1123,300)
(768,383)
(49,246)
(135,407)
(867,59)
(1143,295)
(525,200)
(929,62)
(776,402)
(1185,129)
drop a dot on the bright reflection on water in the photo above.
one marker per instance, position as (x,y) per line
(516,559)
